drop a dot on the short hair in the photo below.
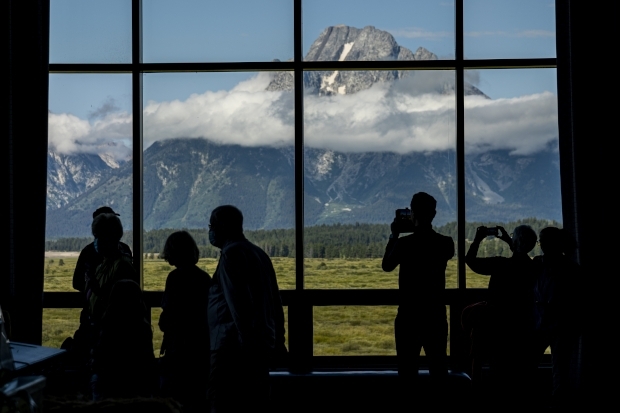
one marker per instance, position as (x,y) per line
(423,206)
(180,249)
(229,218)
(524,239)
(107,226)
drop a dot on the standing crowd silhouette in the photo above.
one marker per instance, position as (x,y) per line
(221,332)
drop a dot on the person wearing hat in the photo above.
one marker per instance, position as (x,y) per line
(79,345)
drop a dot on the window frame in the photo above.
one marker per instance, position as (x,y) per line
(301,301)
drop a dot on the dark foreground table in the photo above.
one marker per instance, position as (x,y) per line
(30,358)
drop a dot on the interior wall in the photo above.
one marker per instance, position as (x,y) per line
(25,150)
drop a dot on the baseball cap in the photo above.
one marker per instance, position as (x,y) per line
(104,210)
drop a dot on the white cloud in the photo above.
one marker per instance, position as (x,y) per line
(523,125)
(69,134)
(402,116)
(421,33)
(246,115)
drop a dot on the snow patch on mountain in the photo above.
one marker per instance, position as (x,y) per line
(486,193)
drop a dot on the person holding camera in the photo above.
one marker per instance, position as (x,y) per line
(421,321)
(510,309)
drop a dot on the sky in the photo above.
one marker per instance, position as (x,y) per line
(91,108)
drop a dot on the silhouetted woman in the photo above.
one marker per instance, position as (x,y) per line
(185,356)
(108,231)
(122,357)
(557,311)
(510,311)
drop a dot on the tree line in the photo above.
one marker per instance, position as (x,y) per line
(320,241)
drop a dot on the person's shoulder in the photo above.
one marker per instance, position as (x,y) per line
(88,250)
(124,262)
(444,238)
(199,272)
(89,247)
(125,248)
(240,246)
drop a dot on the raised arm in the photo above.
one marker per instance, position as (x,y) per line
(391,257)
(478,265)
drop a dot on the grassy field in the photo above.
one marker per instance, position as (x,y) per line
(338,330)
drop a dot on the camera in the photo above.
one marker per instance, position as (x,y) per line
(403,220)
(493,231)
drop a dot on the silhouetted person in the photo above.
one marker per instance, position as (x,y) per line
(558,316)
(107,230)
(185,356)
(89,258)
(510,312)
(421,320)
(246,318)
(122,357)
(88,261)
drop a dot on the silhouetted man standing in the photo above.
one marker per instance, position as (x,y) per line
(246,319)
(421,321)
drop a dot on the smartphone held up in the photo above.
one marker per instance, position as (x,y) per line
(404,221)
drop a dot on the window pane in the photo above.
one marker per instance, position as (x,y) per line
(512,174)
(509,29)
(373,139)
(212,139)
(89,165)
(58,324)
(367,30)
(90,31)
(225,31)
(357,331)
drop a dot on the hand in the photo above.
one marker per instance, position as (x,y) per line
(505,236)
(394,226)
(481,233)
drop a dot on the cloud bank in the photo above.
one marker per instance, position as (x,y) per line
(109,134)
(413,114)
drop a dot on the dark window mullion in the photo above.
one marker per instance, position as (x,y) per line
(457,339)
(299,309)
(136,82)
(460,143)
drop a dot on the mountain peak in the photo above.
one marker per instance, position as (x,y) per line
(346,43)
(367,44)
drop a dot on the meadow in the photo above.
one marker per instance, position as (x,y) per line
(338,330)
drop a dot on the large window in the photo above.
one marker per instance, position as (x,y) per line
(317,119)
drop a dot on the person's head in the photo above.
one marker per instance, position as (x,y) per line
(423,208)
(180,249)
(108,231)
(553,241)
(226,222)
(104,210)
(523,239)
